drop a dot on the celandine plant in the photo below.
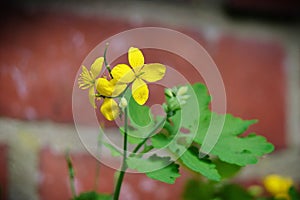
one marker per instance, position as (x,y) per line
(163,144)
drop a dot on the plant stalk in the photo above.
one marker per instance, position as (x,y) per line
(71,174)
(124,165)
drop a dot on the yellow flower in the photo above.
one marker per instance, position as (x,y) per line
(109,89)
(87,79)
(122,74)
(138,73)
(278,186)
(110,109)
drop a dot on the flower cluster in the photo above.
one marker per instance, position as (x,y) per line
(122,77)
(177,97)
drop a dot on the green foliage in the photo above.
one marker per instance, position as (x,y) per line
(93,196)
(195,190)
(239,150)
(232,148)
(160,140)
(155,167)
(231,151)
(294,194)
(141,121)
(234,192)
(226,170)
(203,166)
(139,115)
(208,190)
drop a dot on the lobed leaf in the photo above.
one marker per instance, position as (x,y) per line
(155,167)
(203,166)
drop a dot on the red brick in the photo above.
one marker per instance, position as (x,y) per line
(254,77)
(54,183)
(40,54)
(3,171)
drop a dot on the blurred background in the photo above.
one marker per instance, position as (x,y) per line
(255,44)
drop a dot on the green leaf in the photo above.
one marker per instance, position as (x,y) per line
(195,190)
(203,166)
(155,167)
(234,192)
(234,149)
(167,174)
(226,170)
(241,151)
(230,146)
(160,140)
(139,115)
(93,196)
(140,118)
(233,126)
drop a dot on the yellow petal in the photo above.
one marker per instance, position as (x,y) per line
(110,109)
(118,88)
(140,91)
(123,73)
(152,72)
(135,57)
(85,80)
(104,87)
(92,96)
(96,67)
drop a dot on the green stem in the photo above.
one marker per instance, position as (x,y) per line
(71,174)
(148,136)
(105,61)
(124,166)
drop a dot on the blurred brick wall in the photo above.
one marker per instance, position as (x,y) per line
(3,171)
(41,52)
(55,182)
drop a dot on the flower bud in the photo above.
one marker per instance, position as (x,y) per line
(174,104)
(182,91)
(169,93)
(123,103)
(184,97)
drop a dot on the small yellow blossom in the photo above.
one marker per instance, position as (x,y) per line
(137,74)
(87,79)
(109,89)
(110,109)
(278,186)
(122,75)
